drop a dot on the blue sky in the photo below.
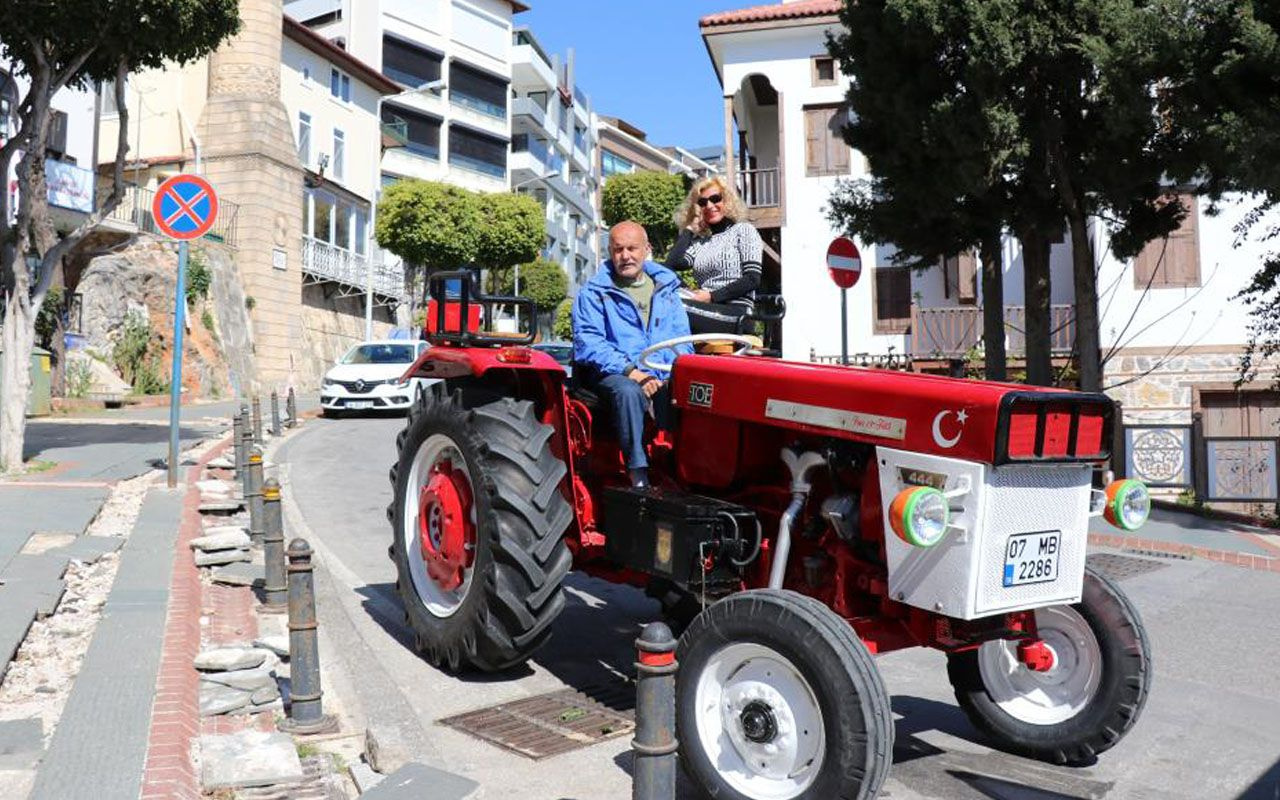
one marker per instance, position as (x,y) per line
(642,60)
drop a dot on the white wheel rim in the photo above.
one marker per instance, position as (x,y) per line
(741,685)
(1055,696)
(437,601)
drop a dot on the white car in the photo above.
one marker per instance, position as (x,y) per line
(367,378)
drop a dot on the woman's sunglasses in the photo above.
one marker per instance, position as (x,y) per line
(715,198)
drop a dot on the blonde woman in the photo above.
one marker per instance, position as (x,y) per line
(723,249)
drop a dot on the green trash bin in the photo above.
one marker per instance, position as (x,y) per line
(39,402)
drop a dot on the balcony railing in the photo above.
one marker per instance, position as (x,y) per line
(528,107)
(135,211)
(480,105)
(323,261)
(758,188)
(954,331)
(397,131)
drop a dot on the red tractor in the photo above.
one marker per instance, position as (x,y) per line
(811,516)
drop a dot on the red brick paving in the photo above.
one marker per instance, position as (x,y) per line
(175,714)
(1230,557)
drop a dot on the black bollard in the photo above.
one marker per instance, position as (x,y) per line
(246,444)
(291,408)
(257,420)
(275,413)
(654,746)
(237,443)
(275,585)
(253,496)
(306,712)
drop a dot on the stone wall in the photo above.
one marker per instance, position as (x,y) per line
(331,325)
(1156,388)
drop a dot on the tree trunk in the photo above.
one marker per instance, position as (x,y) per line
(1036,286)
(994,361)
(1085,278)
(15,382)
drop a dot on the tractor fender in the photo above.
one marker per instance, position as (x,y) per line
(476,362)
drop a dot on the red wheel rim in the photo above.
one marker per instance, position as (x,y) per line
(445,529)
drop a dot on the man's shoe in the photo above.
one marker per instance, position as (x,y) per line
(639,478)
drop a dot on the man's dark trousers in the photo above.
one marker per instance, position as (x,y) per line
(626,399)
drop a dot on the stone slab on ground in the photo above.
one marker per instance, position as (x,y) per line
(415,781)
(221,527)
(223,659)
(238,574)
(217,558)
(246,679)
(115,687)
(222,462)
(220,506)
(248,758)
(216,699)
(15,620)
(363,776)
(228,540)
(41,595)
(277,644)
(91,548)
(21,743)
(27,509)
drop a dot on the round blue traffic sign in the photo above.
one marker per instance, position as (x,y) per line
(185,207)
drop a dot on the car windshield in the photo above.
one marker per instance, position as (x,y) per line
(380,354)
(560,352)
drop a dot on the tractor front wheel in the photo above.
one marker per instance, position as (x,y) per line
(779,700)
(1088,698)
(478,523)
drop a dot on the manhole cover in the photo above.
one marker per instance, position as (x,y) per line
(1118,567)
(555,723)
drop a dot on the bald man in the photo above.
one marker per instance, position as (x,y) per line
(630,304)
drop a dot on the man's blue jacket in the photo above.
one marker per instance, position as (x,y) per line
(607,331)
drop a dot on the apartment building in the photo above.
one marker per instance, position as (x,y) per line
(553,152)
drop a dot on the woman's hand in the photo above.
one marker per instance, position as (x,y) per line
(700,295)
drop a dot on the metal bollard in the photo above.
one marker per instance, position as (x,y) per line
(654,769)
(275,413)
(257,419)
(253,495)
(275,585)
(291,408)
(306,712)
(237,443)
(246,444)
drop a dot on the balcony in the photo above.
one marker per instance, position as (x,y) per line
(530,70)
(527,107)
(324,262)
(954,331)
(758,188)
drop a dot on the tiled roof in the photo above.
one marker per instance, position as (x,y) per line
(776,11)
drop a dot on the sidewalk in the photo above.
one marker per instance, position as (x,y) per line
(1185,534)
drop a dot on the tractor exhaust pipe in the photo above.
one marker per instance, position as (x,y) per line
(799,466)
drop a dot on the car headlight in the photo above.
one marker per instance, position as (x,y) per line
(920,515)
(327,383)
(1128,504)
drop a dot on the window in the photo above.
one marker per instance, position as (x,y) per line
(108,92)
(421,132)
(306,73)
(342,225)
(475,151)
(340,85)
(322,218)
(408,65)
(825,151)
(56,146)
(613,164)
(362,231)
(960,278)
(823,70)
(304,138)
(892,299)
(1172,262)
(477,90)
(339,155)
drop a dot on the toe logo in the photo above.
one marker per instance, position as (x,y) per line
(957,428)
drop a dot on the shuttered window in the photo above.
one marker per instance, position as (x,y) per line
(825,151)
(1174,261)
(960,278)
(892,299)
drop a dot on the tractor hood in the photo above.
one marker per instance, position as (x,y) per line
(994,423)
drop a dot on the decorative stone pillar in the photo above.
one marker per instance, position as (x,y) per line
(251,158)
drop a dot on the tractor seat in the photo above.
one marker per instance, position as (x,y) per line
(582,394)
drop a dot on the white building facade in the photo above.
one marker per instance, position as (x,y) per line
(553,153)
(1172,332)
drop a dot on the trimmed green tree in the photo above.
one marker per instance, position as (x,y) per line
(50,44)
(513,230)
(562,324)
(542,281)
(649,198)
(433,226)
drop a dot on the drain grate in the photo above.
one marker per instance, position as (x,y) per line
(1118,567)
(551,724)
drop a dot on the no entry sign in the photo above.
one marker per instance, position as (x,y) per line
(844,263)
(185,207)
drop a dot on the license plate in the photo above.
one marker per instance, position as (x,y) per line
(1032,558)
(356,405)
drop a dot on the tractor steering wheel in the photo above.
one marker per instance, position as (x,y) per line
(745,342)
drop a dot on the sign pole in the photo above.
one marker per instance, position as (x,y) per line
(175,380)
(844,327)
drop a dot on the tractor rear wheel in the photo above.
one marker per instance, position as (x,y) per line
(1084,703)
(779,700)
(478,526)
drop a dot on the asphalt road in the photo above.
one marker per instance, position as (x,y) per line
(1211,728)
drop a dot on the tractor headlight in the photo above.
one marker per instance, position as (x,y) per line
(1128,504)
(920,515)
